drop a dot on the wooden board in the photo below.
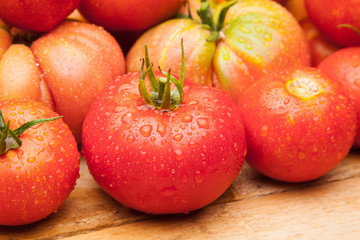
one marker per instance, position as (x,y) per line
(254,207)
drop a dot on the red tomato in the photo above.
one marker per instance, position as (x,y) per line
(257,37)
(65,69)
(163,161)
(37,177)
(344,66)
(327,15)
(38,16)
(320,47)
(299,125)
(135,15)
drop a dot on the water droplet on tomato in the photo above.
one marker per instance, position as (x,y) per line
(203,123)
(53,143)
(31,159)
(169,191)
(146,130)
(187,118)
(178,137)
(178,154)
(161,129)
(199,176)
(130,138)
(264,130)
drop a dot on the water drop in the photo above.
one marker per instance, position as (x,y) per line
(169,191)
(203,123)
(146,130)
(187,118)
(178,137)
(31,159)
(130,138)
(178,154)
(199,176)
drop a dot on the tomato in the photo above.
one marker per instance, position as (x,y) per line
(39,16)
(65,69)
(37,176)
(133,15)
(257,37)
(320,47)
(299,124)
(327,15)
(344,66)
(162,160)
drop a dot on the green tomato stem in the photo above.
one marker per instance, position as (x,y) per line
(10,138)
(161,96)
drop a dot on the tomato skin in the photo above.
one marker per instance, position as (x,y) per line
(293,137)
(163,162)
(136,15)
(65,69)
(327,15)
(36,178)
(39,15)
(343,66)
(258,37)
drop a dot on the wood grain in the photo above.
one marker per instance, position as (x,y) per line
(254,207)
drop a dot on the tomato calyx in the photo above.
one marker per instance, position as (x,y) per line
(9,139)
(207,18)
(162,97)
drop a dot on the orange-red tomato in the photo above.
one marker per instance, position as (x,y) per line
(39,15)
(343,66)
(299,124)
(65,68)
(163,161)
(37,177)
(257,37)
(135,15)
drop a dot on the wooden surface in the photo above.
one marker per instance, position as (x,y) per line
(254,207)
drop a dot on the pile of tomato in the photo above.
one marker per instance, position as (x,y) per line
(165,100)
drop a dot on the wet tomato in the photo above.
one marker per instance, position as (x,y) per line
(162,156)
(65,68)
(38,173)
(122,15)
(299,124)
(39,16)
(250,39)
(328,16)
(343,66)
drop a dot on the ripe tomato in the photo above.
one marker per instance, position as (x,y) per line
(320,47)
(38,16)
(135,15)
(327,15)
(37,177)
(256,37)
(299,124)
(344,66)
(163,160)
(66,68)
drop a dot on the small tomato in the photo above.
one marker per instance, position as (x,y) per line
(343,66)
(299,124)
(37,173)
